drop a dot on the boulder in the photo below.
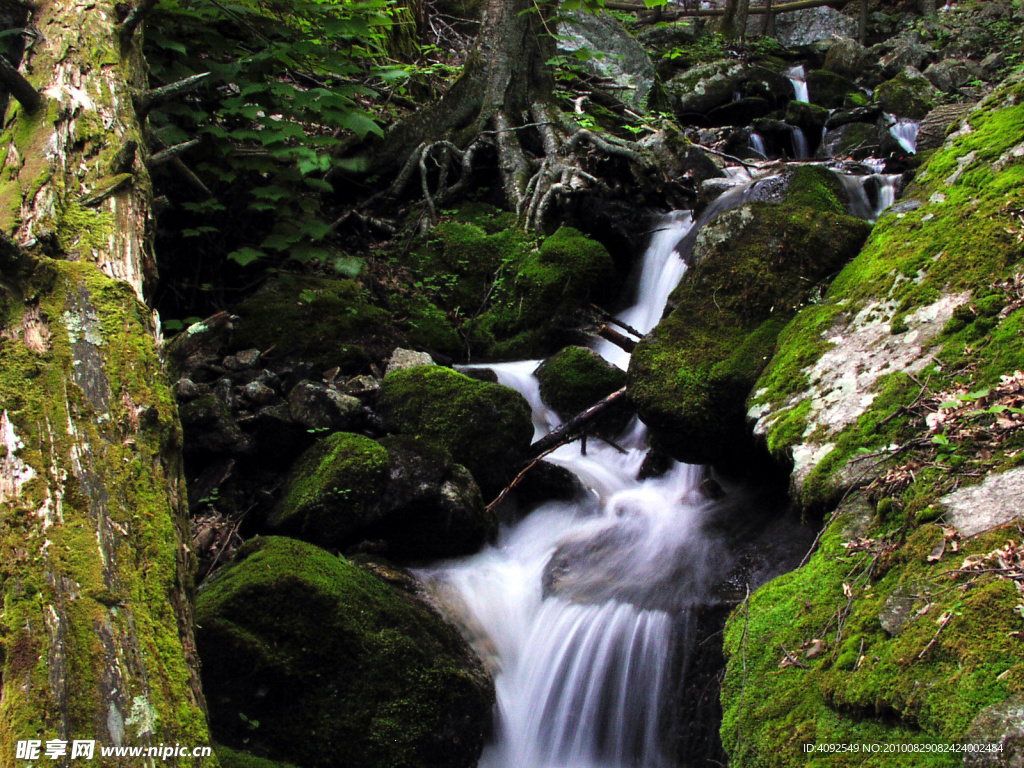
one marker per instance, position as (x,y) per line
(806,27)
(950,75)
(575,378)
(848,58)
(550,285)
(407,358)
(333,494)
(432,507)
(317,406)
(751,269)
(828,89)
(624,61)
(1001,727)
(210,429)
(702,88)
(486,427)
(909,94)
(856,140)
(907,50)
(306,658)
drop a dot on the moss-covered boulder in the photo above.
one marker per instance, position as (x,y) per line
(405,493)
(486,427)
(321,321)
(332,497)
(575,378)
(753,267)
(828,89)
(568,270)
(906,629)
(308,659)
(857,140)
(909,94)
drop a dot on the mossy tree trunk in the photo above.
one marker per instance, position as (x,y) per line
(96,622)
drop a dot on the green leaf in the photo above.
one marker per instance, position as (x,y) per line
(246,256)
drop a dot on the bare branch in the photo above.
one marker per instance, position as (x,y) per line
(20,88)
(167,92)
(171,153)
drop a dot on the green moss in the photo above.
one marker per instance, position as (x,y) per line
(325,322)
(827,89)
(867,684)
(486,427)
(230,758)
(426,326)
(112,556)
(333,489)
(907,96)
(575,378)
(307,657)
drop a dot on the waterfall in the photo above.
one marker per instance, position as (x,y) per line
(869,195)
(757,144)
(905,132)
(801,150)
(583,608)
(797,77)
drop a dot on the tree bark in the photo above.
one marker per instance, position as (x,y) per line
(96,569)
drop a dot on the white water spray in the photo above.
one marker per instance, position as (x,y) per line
(797,77)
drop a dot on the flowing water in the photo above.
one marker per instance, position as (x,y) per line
(583,608)
(797,77)
(905,132)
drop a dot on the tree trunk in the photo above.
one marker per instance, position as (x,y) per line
(96,568)
(505,72)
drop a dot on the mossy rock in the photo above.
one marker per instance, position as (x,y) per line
(333,493)
(567,271)
(853,139)
(426,326)
(575,378)
(486,427)
(909,94)
(753,269)
(827,89)
(306,658)
(807,116)
(321,321)
(706,86)
(954,660)
(232,758)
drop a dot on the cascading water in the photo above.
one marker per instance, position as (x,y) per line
(582,608)
(757,144)
(905,132)
(869,195)
(797,77)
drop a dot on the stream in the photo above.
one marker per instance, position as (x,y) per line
(587,612)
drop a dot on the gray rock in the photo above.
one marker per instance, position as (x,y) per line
(186,390)
(908,94)
(907,51)
(897,611)
(248,358)
(625,61)
(994,502)
(949,75)
(407,358)
(258,392)
(706,86)
(210,429)
(848,58)
(1003,725)
(361,386)
(807,26)
(994,62)
(317,406)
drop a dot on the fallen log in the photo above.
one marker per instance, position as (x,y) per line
(618,339)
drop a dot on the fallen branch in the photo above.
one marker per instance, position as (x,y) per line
(608,317)
(20,88)
(519,478)
(568,431)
